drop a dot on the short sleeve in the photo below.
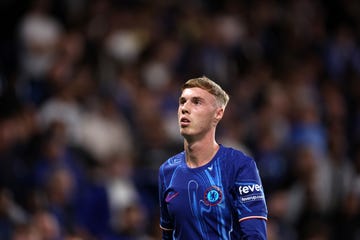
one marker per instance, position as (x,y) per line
(248,192)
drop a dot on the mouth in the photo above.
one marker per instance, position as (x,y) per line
(184,122)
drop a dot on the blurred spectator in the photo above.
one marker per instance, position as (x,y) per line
(25,232)
(63,108)
(272,131)
(279,226)
(60,194)
(342,53)
(350,207)
(55,154)
(131,224)
(39,35)
(11,214)
(310,194)
(104,131)
(46,225)
(120,186)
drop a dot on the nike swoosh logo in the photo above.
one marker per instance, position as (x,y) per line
(210,168)
(171,196)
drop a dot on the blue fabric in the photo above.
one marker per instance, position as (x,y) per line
(253,229)
(208,202)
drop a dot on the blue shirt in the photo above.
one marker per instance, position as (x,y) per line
(212,201)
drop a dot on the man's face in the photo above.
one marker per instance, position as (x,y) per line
(198,112)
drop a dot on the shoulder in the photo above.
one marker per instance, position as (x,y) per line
(238,162)
(235,156)
(170,167)
(172,162)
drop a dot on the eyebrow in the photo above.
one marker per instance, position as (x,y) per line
(192,98)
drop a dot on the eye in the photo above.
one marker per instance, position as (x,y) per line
(182,101)
(196,101)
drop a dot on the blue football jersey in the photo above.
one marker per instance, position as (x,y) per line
(211,201)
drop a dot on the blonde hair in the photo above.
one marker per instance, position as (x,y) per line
(222,98)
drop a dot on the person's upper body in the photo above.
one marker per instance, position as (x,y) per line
(209,191)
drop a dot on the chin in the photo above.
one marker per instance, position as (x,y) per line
(184,133)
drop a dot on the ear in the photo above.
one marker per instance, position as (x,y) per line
(218,115)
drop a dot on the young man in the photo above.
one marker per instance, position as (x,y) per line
(209,191)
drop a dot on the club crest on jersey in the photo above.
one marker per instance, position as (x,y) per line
(213,195)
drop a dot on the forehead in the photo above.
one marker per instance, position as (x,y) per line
(196,92)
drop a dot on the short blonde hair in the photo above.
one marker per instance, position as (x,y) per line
(222,98)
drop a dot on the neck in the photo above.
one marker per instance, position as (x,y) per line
(200,153)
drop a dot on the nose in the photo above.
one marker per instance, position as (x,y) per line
(183,108)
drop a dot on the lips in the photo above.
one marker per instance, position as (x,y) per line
(184,121)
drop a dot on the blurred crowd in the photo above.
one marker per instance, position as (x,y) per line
(88,110)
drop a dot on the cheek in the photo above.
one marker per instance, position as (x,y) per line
(206,120)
